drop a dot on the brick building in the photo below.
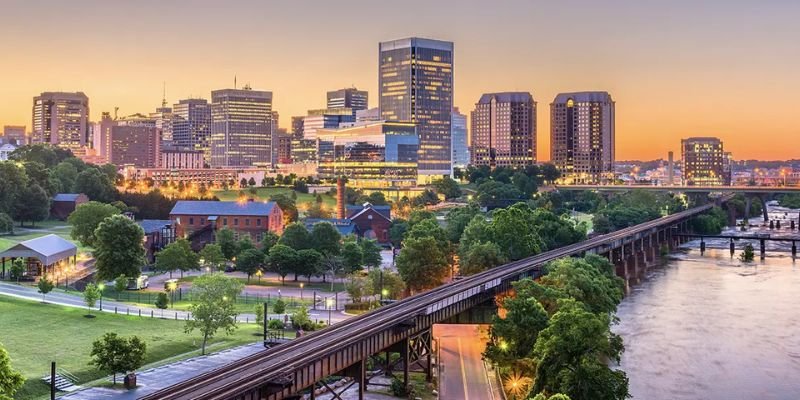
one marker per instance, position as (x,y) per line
(199,220)
(372,222)
(65,203)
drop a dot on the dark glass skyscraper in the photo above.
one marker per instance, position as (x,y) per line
(191,126)
(351,98)
(415,83)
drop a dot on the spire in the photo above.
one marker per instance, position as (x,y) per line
(234,81)
(164,95)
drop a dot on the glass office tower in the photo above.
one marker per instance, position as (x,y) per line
(62,119)
(415,83)
(241,128)
(191,126)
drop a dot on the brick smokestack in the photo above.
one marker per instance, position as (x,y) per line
(340,193)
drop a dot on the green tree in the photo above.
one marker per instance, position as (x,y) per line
(96,185)
(177,255)
(378,199)
(14,180)
(308,263)
(287,205)
(245,243)
(326,238)
(549,172)
(397,231)
(591,281)
(259,311)
(270,239)
(120,284)
(86,218)
(478,230)
(386,280)
(10,379)
(118,248)
(249,261)
(214,307)
(279,307)
(447,187)
(32,204)
(17,268)
(91,293)
(421,263)
(352,256)
(251,182)
(357,288)
(45,286)
(457,220)
(226,242)
(513,230)
(494,194)
(516,333)
(212,255)
(296,236)
(370,253)
(116,354)
(162,301)
(6,224)
(480,257)
(317,210)
(282,260)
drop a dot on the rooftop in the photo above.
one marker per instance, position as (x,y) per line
(582,97)
(66,196)
(506,97)
(49,249)
(204,207)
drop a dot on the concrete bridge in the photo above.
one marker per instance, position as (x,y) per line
(300,367)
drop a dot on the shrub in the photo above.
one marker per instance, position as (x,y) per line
(279,307)
(275,324)
(162,301)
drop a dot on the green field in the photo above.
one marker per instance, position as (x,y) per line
(36,334)
(264,193)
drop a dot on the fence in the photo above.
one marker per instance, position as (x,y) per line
(148,297)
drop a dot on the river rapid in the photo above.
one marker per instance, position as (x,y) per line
(711,327)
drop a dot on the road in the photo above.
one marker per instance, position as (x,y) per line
(462,372)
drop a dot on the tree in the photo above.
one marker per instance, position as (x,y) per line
(296,236)
(748,255)
(270,239)
(32,204)
(282,260)
(177,255)
(251,182)
(397,231)
(212,255)
(120,284)
(480,257)
(370,253)
(279,307)
(116,354)
(259,311)
(457,220)
(162,301)
(96,185)
(245,243)
(513,230)
(516,333)
(91,293)
(86,218)
(317,210)
(214,307)
(17,268)
(494,194)
(287,205)
(326,238)
(378,199)
(243,182)
(308,263)
(351,256)
(592,281)
(14,180)
(45,286)
(10,379)
(386,280)
(447,187)
(549,172)
(249,261)
(118,248)
(357,288)
(421,263)
(227,243)
(6,224)
(426,198)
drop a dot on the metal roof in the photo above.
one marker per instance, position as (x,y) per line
(344,226)
(234,208)
(153,225)
(66,196)
(48,249)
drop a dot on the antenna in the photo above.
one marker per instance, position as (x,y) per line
(164,95)
(234,81)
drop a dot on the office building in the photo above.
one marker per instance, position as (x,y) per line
(137,145)
(369,115)
(325,119)
(582,137)
(504,130)
(459,139)
(15,134)
(101,136)
(705,162)
(163,119)
(283,147)
(370,155)
(297,127)
(181,159)
(415,83)
(191,126)
(62,119)
(351,98)
(241,128)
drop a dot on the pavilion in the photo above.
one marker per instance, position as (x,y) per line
(41,254)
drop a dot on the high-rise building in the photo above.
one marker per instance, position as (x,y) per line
(459,140)
(284,147)
(370,155)
(241,127)
(369,115)
(325,119)
(137,145)
(705,162)
(163,118)
(415,83)
(62,119)
(582,137)
(504,130)
(101,136)
(297,127)
(191,126)
(351,98)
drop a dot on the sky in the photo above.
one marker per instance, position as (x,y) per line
(676,69)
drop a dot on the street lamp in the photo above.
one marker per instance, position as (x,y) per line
(171,286)
(258,274)
(329,304)
(301,292)
(101,287)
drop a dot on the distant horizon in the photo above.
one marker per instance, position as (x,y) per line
(675,70)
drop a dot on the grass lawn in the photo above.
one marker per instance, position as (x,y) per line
(290,283)
(35,334)
(264,193)
(583,217)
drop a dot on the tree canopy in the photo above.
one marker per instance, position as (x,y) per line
(118,248)
(214,308)
(86,218)
(117,355)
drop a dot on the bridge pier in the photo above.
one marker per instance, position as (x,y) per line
(763,248)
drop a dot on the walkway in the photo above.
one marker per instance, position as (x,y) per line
(462,372)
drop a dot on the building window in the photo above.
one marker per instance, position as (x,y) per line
(258,222)
(202,221)
(236,222)
(247,221)
(191,221)
(225,221)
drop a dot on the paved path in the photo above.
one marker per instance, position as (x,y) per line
(151,380)
(462,375)
(71,300)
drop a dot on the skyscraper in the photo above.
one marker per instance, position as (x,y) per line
(351,98)
(137,145)
(415,80)
(297,127)
(459,140)
(705,162)
(241,127)
(504,130)
(163,118)
(61,119)
(191,126)
(582,136)
(325,119)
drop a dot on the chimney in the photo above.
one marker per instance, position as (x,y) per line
(670,169)
(340,193)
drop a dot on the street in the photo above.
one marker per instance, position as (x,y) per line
(462,373)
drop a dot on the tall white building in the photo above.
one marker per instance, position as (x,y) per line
(582,137)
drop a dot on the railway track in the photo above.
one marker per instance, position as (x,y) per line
(271,364)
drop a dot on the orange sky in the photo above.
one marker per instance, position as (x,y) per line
(676,69)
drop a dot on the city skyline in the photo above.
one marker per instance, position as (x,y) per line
(675,70)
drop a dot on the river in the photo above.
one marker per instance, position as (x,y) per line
(710,327)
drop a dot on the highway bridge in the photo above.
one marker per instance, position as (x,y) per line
(297,368)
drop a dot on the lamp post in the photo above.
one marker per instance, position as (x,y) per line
(101,287)
(258,274)
(301,292)
(171,287)
(329,304)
